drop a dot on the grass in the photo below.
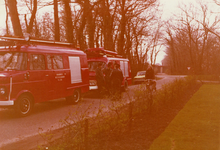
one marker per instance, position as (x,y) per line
(126,126)
(208,77)
(197,126)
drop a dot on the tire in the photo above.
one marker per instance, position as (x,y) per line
(24,105)
(75,98)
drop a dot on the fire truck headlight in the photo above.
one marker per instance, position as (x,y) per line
(92,82)
(2,91)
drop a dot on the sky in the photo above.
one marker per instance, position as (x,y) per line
(170,7)
(2,14)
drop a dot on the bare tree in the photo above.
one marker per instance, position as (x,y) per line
(7,15)
(56,21)
(156,44)
(108,16)
(130,10)
(33,14)
(68,20)
(12,6)
(190,40)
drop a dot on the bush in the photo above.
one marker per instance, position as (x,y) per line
(115,119)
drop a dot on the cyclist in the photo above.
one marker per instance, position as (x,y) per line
(150,77)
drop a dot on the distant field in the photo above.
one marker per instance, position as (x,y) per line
(197,125)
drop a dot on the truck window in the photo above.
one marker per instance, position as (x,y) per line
(124,68)
(93,65)
(57,62)
(75,69)
(37,62)
(49,62)
(13,61)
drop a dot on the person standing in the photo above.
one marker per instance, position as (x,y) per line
(100,78)
(108,71)
(116,79)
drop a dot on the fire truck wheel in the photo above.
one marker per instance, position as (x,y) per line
(75,98)
(24,105)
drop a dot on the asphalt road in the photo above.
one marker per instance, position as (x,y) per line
(48,116)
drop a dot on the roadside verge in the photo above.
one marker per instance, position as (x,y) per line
(197,125)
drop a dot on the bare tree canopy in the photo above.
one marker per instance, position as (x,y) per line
(130,28)
(191,43)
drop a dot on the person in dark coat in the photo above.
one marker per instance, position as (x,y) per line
(100,79)
(150,73)
(108,71)
(116,80)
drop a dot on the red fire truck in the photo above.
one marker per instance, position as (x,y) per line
(32,73)
(100,55)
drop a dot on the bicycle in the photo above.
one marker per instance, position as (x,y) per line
(150,88)
(150,85)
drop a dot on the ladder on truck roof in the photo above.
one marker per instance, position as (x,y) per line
(15,41)
(101,52)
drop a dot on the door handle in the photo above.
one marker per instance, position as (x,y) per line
(26,76)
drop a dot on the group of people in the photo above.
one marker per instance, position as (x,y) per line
(109,80)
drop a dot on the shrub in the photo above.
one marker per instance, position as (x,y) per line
(113,120)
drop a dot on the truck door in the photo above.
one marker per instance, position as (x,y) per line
(50,77)
(36,77)
(59,80)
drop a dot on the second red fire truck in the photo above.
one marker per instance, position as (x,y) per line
(100,55)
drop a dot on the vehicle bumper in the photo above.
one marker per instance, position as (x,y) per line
(6,103)
(93,87)
(138,80)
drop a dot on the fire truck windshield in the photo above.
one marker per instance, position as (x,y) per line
(13,61)
(93,65)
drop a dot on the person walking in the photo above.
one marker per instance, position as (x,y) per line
(108,71)
(100,79)
(116,79)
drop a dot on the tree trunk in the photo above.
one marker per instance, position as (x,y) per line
(90,22)
(107,26)
(6,21)
(56,20)
(80,33)
(122,29)
(33,14)
(12,5)
(69,26)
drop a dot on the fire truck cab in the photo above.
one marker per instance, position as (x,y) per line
(32,74)
(100,55)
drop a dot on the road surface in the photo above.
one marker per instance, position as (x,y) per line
(47,116)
